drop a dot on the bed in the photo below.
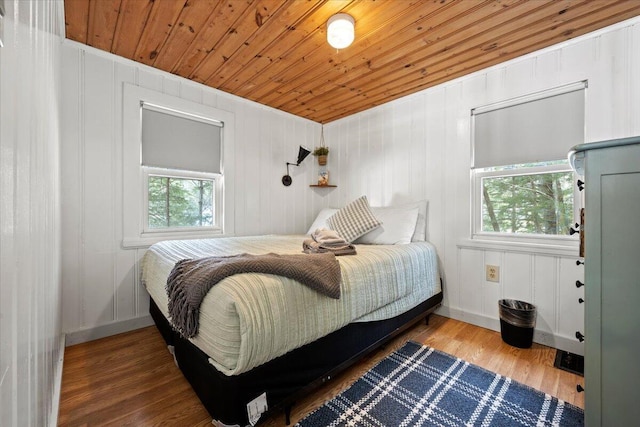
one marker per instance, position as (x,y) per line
(265,340)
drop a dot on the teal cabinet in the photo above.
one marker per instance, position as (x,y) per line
(611,172)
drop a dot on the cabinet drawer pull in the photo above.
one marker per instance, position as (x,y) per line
(580,185)
(579,336)
(580,300)
(579,283)
(579,388)
(578,262)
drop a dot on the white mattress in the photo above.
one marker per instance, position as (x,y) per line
(249,319)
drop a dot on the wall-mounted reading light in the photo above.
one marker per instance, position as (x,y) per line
(302,154)
(340,30)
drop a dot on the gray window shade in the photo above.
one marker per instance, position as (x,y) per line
(176,141)
(537,130)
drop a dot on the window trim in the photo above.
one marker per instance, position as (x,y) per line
(480,238)
(217,179)
(545,239)
(133,192)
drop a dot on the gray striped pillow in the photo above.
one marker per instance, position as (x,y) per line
(354,220)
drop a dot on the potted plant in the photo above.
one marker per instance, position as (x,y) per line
(321,153)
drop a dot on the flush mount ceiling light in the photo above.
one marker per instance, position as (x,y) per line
(340,30)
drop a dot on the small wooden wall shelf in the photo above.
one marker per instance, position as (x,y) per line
(323,186)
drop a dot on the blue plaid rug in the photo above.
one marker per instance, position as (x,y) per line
(420,386)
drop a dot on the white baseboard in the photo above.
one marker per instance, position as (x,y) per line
(113,328)
(57,384)
(549,339)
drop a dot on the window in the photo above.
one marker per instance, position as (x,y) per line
(176,158)
(527,199)
(523,184)
(179,202)
(181,165)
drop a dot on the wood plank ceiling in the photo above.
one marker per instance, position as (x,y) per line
(275,52)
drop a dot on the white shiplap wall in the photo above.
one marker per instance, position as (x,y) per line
(102,293)
(418,147)
(31,342)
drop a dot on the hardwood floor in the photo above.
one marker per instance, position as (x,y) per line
(131,379)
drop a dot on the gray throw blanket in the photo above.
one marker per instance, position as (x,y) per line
(191,279)
(323,240)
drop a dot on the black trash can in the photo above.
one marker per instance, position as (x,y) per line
(517,321)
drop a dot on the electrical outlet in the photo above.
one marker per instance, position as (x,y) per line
(493,273)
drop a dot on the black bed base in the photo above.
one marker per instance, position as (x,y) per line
(289,376)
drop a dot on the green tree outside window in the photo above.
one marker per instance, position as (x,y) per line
(180,202)
(532,204)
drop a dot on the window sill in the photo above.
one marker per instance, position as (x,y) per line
(564,248)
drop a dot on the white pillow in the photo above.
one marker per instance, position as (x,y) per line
(354,220)
(398,226)
(321,219)
(420,233)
